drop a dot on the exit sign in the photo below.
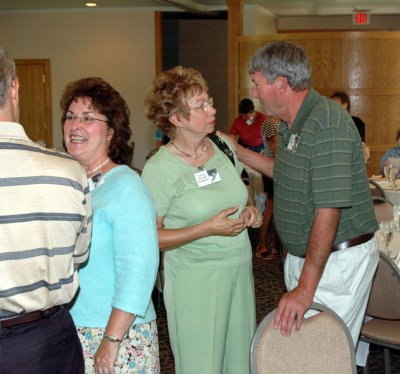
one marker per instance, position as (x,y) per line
(360,18)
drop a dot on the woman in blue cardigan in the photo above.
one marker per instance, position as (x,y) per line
(113,312)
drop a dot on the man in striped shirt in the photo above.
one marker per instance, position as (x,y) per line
(45,230)
(322,205)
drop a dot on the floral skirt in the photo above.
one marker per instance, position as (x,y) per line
(138,351)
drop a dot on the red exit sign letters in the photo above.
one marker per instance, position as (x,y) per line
(361,18)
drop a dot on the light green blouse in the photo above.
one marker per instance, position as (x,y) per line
(182,203)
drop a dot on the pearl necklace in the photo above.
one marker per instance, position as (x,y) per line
(99,166)
(187,154)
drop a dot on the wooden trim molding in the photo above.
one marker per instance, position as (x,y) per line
(235,29)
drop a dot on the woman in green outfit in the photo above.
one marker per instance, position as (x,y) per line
(201,219)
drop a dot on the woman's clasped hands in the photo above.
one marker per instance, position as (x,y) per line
(221,224)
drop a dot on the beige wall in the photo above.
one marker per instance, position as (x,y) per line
(117,46)
(382,23)
(256,20)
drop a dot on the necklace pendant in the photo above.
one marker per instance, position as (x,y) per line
(189,155)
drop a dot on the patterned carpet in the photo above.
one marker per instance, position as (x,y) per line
(269,286)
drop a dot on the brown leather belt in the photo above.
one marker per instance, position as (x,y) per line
(350,243)
(29,317)
(353,242)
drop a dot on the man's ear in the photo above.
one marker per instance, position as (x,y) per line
(14,91)
(282,83)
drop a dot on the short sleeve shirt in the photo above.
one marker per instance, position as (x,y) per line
(327,170)
(182,203)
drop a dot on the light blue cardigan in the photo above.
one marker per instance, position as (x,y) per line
(124,255)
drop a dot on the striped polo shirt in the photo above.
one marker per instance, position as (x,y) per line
(326,170)
(45,223)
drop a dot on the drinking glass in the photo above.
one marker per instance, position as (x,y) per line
(393,172)
(386,170)
(386,234)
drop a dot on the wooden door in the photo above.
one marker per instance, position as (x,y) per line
(35,100)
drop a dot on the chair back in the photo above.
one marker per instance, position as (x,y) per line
(323,345)
(383,209)
(384,300)
(376,190)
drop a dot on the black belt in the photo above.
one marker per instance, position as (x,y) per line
(350,243)
(29,317)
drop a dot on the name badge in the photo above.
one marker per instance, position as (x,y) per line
(206,177)
(95,180)
(293,142)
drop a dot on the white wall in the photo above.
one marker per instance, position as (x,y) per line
(117,46)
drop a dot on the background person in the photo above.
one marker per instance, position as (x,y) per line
(343,99)
(322,203)
(113,312)
(209,286)
(248,126)
(44,231)
(392,152)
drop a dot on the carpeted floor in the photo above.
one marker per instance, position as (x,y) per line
(269,287)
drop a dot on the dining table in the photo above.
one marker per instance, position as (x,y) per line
(392,192)
(394,246)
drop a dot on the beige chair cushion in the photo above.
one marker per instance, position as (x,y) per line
(383,330)
(383,212)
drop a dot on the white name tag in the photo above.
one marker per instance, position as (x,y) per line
(206,177)
(293,142)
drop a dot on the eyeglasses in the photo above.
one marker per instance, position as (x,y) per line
(204,107)
(83,119)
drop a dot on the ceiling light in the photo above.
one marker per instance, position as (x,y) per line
(91,4)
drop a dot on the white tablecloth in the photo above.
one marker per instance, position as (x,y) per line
(392,194)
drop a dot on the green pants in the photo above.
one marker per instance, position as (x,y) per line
(211,317)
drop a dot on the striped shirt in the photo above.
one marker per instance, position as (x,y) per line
(45,223)
(268,130)
(327,170)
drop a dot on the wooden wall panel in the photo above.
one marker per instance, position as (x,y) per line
(366,65)
(372,63)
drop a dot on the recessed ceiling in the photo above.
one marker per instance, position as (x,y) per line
(278,8)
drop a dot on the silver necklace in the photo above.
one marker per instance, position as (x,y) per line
(187,154)
(99,166)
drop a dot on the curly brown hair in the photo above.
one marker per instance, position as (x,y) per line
(109,103)
(169,94)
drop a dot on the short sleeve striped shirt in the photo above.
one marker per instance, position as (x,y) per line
(269,129)
(327,170)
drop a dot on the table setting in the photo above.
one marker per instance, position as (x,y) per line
(389,183)
(389,236)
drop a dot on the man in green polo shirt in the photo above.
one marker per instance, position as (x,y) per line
(322,205)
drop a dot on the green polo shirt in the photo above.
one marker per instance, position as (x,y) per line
(327,170)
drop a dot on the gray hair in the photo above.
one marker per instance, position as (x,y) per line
(7,74)
(284,59)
